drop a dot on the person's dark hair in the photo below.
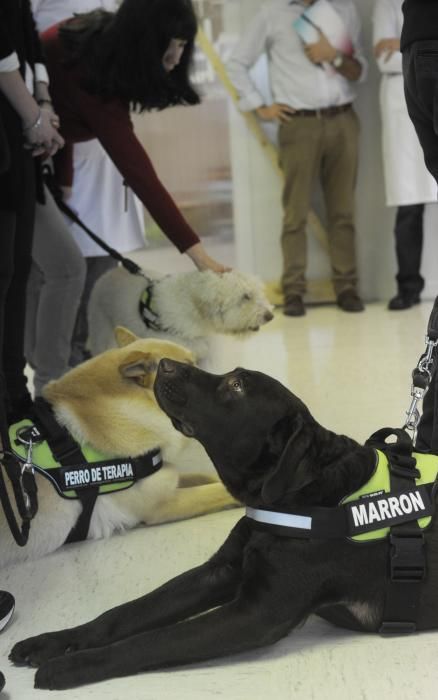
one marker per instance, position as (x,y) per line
(121,53)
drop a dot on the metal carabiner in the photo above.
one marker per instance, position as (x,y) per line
(27,467)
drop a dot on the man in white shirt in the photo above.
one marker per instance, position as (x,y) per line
(313,87)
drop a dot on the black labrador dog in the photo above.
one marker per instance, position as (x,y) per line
(270,452)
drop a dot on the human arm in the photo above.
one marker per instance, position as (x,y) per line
(323,51)
(38,130)
(203,261)
(250,47)
(41,77)
(353,66)
(275,112)
(110,123)
(39,133)
(386,37)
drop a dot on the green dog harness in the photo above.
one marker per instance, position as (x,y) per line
(396,505)
(76,472)
(374,504)
(110,475)
(365,515)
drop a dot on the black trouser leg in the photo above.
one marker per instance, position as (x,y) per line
(408,233)
(96,267)
(7,235)
(421,91)
(15,306)
(426,425)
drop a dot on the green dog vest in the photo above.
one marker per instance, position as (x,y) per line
(365,515)
(370,505)
(110,475)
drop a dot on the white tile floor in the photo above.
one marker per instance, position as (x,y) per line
(354,373)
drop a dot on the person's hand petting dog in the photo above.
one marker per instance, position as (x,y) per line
(203,261)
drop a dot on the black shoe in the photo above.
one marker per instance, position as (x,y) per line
(403,301)
(349,300)
(294,306)
(7,605)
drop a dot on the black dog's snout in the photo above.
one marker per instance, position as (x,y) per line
(167,366)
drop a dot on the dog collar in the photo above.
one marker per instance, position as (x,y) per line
(109,475)
(150,317)
(364,516)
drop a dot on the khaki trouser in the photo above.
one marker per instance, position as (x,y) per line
(324,147)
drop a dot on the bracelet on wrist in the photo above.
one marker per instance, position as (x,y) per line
(37,123)
(45,102)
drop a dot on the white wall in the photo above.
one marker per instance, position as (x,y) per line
(257,191)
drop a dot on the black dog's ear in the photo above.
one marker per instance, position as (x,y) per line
(292,471)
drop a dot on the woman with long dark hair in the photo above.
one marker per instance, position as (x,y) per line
(101,64)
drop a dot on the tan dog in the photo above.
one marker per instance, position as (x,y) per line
(108,403)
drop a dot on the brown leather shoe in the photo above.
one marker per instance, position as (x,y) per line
(294,306)
(349,300)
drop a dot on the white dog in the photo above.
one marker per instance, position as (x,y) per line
(108,406)
(185,308)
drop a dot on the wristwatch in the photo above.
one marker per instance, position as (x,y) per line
(338,60)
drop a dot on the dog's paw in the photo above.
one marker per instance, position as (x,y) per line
(44,677)
(36,650)
(72,670)
(56,674)
(49,676)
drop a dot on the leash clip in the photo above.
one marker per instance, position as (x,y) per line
(421,377)
(27,468)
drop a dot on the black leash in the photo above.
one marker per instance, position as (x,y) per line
(56,193)
(22,478)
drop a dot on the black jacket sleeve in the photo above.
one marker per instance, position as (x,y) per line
(18,33)
(6,44)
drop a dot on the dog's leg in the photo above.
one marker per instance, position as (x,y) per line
(256,618)
(192,501)
(194,479)
(195,591)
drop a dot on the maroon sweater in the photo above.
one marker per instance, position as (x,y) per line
(84,117)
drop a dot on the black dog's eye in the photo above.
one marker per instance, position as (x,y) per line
(236,385)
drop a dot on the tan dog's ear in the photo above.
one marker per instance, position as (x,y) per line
(124,337)
(293,470)
(141,367)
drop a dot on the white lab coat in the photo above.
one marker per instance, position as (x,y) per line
(99,197)
(407,180)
